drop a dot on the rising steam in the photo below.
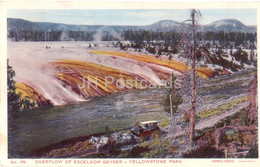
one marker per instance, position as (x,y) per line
(101,32)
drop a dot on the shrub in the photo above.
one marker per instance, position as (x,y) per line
(137,150)
(164,123)
(204,152)
(253,152)
(115,149)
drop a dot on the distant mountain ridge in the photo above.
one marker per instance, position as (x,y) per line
(164,25)
(229,25)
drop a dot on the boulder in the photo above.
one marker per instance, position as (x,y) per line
(125,138)
(99,142)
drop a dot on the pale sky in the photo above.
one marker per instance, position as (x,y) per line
(131,16)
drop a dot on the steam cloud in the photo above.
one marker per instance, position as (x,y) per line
(100,33)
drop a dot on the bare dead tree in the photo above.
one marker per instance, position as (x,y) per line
(193,102)
(252,98)
(188,44)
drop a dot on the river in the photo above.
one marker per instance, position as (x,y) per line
(41,127)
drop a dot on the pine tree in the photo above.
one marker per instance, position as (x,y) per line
(14,105)
(174,99)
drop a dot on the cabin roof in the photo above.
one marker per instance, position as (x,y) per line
(148,122)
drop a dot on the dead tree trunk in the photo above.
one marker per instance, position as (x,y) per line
(193,102)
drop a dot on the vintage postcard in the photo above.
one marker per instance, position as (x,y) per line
(129,83)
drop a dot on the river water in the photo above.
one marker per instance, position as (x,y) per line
(41,127)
